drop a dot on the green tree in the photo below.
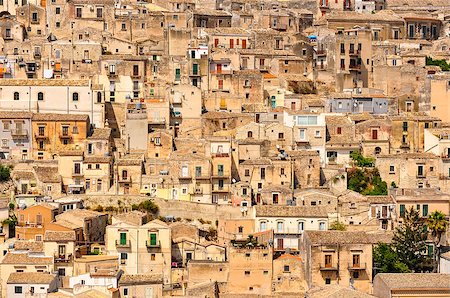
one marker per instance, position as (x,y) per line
(338,226)
(386,260)
(360,160)
(366,181)
(5,172)
(442,63)
(409,241)
(149,206)
(437,224)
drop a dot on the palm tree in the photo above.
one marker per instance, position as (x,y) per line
(437,224)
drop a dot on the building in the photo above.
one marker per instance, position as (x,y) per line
(33,220)
(23,284)
(289,223)
(338,257)
(387,285)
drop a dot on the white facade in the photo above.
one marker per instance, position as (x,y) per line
(38,290)
(97,281)
(444,263)
(365,6)
(51,96)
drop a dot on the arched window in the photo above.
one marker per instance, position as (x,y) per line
(249,134)
(75,96)
(377,150)
(16,96)
(40,96)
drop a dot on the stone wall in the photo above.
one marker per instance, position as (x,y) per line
(181,209)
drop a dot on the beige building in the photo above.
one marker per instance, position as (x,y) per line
(142,249)
(250,271)
(338,257)
(396,285)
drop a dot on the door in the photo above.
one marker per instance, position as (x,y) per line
(244,43)
(219,68)
(216,42)
(356,261)
(280,244)
(99,185)
(231,43)
(195,69)
(328,263)
(293,105)
(126,189)
(384,211)
(220,84)
(275,199)
(123,238)
(374,134)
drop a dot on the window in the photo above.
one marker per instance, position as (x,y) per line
(153,239)
(241,230)
(57,10)
(249,134)
(99,12)
(79,12)
(262,226)
(328,260)
(302,134)
(18,290)
(123,238)
(247,272)
(247,173)
(342,48)
(282,171)
(40,96)
(301,226)
(420,172)
(280,226)
(339,130)
(321,226)
(405,126)
(123,258)
(124,27)
(280,136)
(425,210)
(75,96)
(152,257)
(392,169)
(16,96)
(97,166)
(317,134)
(402,209)
(125,291)
(327,281)
(263,173)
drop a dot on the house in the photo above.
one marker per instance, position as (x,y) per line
(142,249)
(387,285)
(23,284)
(16,135)
(250,271)
(425,201)
(128,174)
(53,133)
(140,285)
(91,223)
(288,275)
(340,257)
(33,220)
(184,250)
(43,96)
(289,222)
(25,262)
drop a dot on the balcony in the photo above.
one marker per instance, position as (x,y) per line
(41,136)
(279,26)
(63,258)
(224,189)
(321,53)
(421,176)
(355,53)
(221,154)
(64,135)
(198,191)
(328,267)
(221,72)
(126,179)
(445,157)
(19,133)
(123,244)
(221,174)
(404,145)
(444,177)
(7,37)
(286,231)
(112,74)
(356,267)
(77,174)
(37,55)
(148,244)
(135,76)
(354,67)
(185,177)
(34,21)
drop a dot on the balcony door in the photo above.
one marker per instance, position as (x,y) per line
(356,261)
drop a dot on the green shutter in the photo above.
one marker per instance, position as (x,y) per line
(220,170)
(177,74)
(123,238)
(195,69)
(425,210)
(152,239)
(402,210)
(430,250)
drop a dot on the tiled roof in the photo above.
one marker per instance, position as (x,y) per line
(40,82)
(336,291)
(15,115)
(79,213)
(70,152)
(382,16)
(346,237)
(59,236)
(259,161)
(290,211)
(136,279)
(101,134)
(30,278)
(47,174)
(59,117)
(227,31)
(25,258)
(97,159)
(31,246)
(399,281)
(134,217)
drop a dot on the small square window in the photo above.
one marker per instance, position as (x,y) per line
(247,272)
(328,281)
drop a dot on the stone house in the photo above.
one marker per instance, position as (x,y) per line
(92,223)
(288,275)
(342,257)
(409,170)
(16,135)
(143,249)
(139,285)
(374,136)
(250,271)
(128,174)
(289,223)
(33,220)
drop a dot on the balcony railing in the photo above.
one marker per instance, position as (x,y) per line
(41,135)
(124,244)
(328,267)
(355,267)
(63,258)
(125,179)
(77,174)
(64,136)
(149,244)
(19,133)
